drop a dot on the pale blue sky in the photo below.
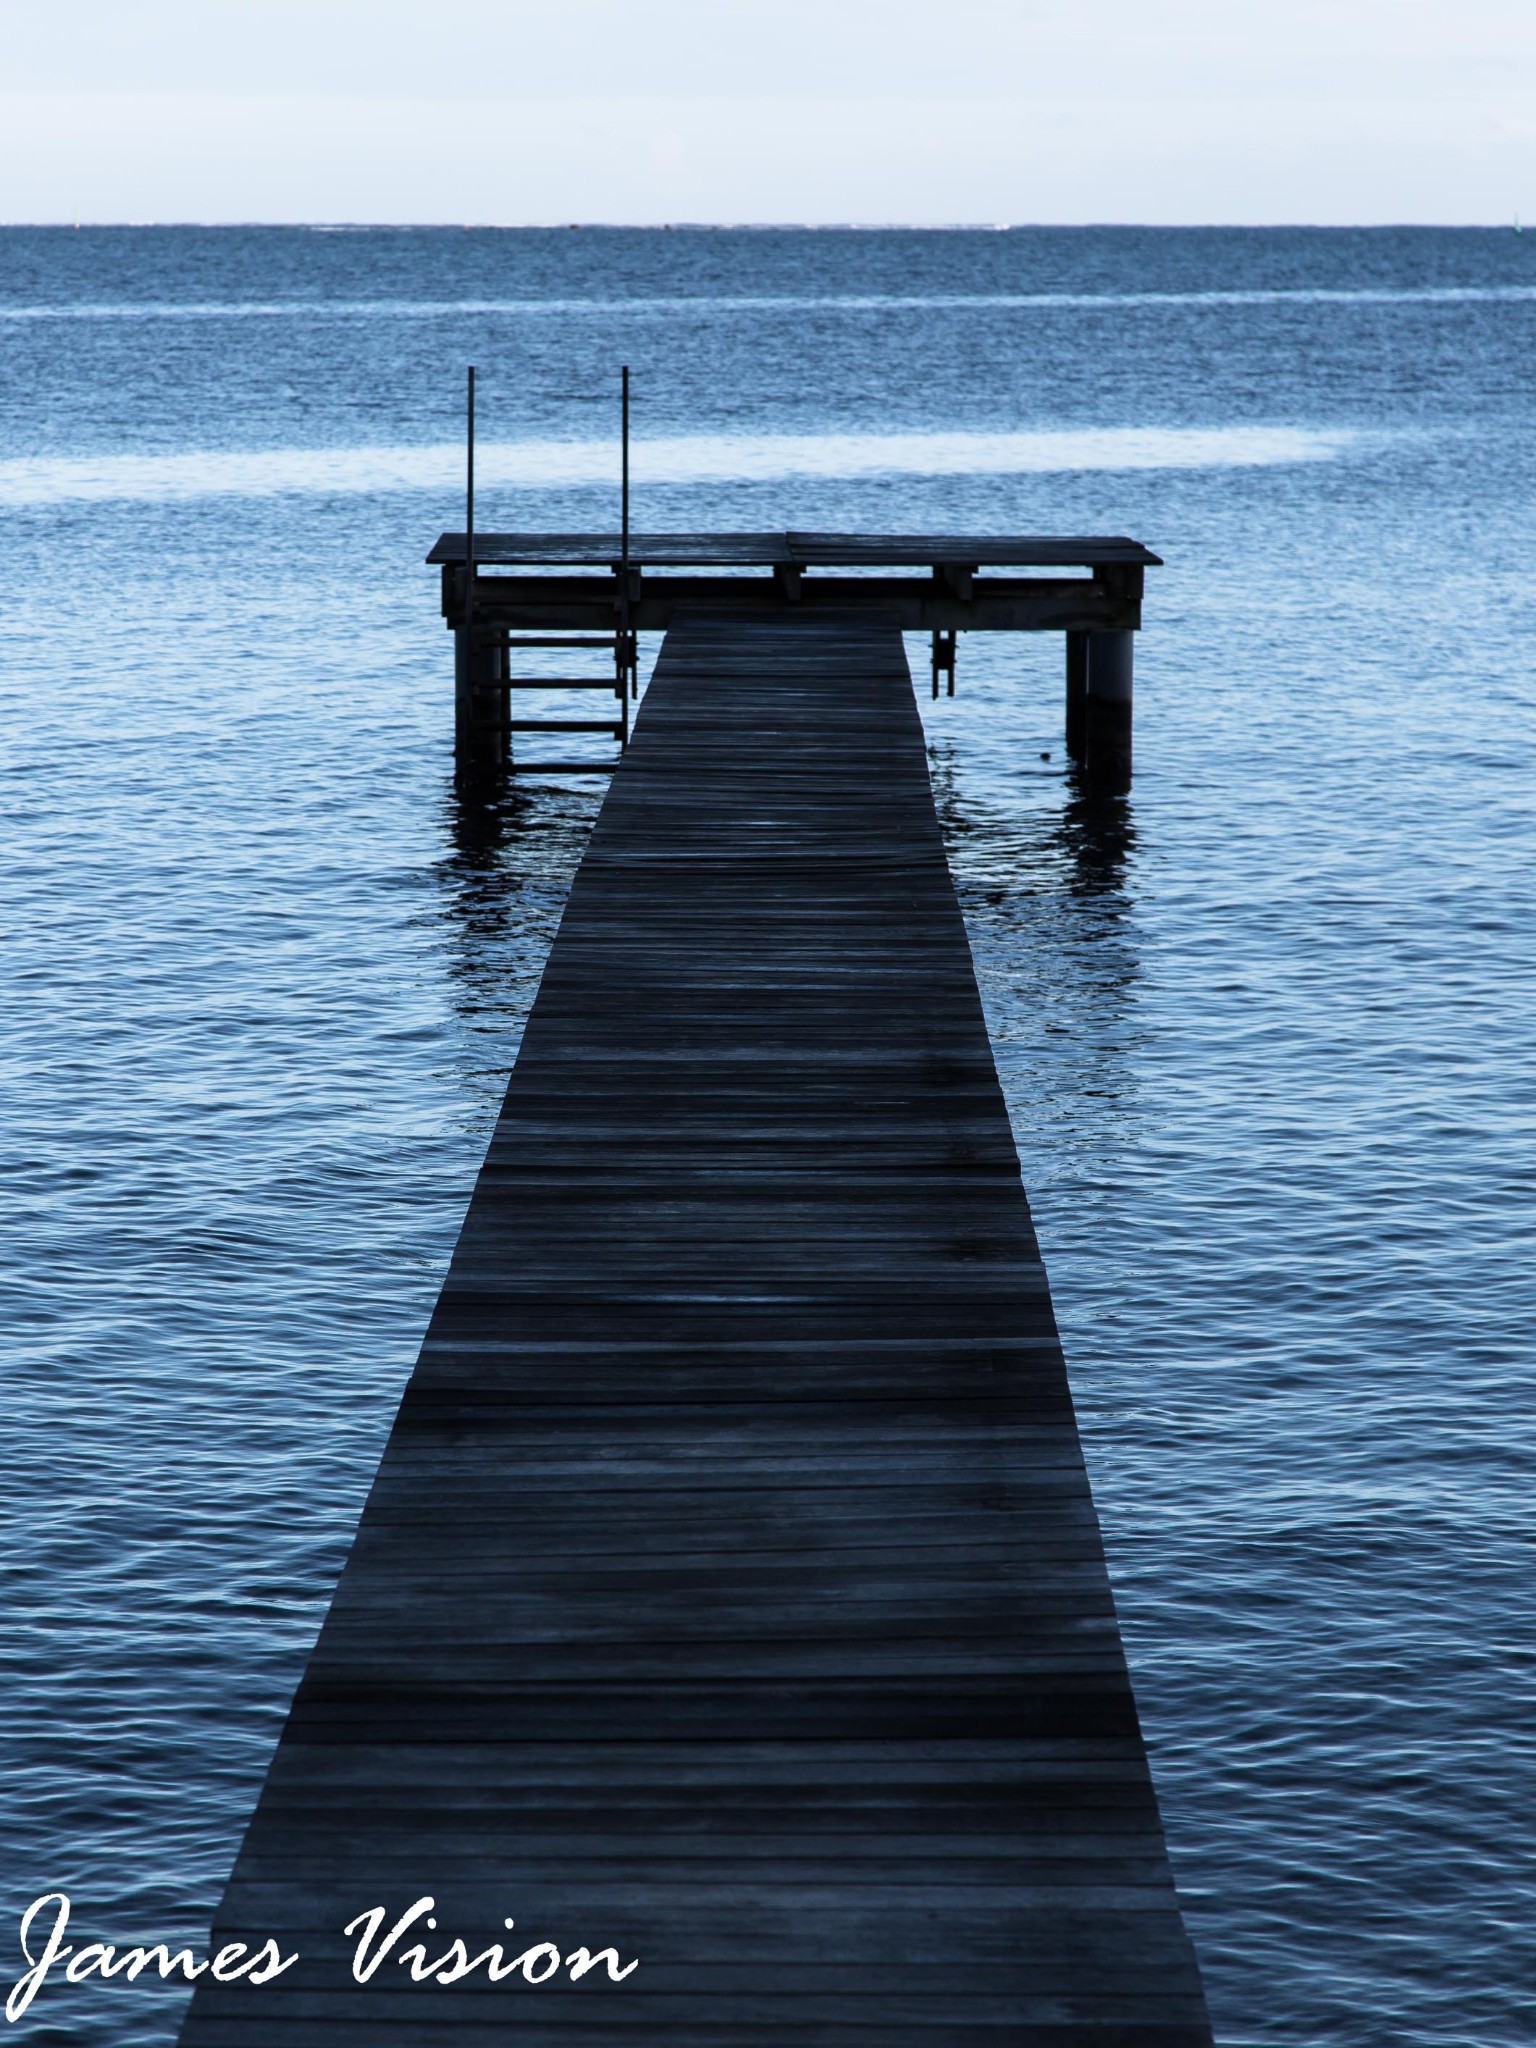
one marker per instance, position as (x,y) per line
(799,110)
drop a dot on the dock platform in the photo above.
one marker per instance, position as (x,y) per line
(506,592)
(731,1594)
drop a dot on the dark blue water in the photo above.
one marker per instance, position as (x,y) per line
(1265,1031)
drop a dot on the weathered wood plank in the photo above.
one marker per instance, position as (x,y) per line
(786,550)
(731,1590)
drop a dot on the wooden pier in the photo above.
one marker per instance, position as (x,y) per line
(731,1593)
(595,591)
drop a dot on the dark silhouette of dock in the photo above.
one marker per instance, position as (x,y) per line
(596,591)
(731,1593)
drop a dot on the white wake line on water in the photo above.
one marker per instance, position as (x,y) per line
(681,459)
(941,302)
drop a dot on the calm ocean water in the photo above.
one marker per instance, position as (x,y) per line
(1264,1032)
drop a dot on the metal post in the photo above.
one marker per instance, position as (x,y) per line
(627,677)
(943,658)
(1107,711)
(1077,691)
(464,633)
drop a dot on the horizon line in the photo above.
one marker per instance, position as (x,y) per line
(1510,225)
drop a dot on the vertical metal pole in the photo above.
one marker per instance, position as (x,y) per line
(464,638)
(628,677)
(469,498)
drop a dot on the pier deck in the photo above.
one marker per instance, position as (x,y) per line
(927,582)
(731,1591)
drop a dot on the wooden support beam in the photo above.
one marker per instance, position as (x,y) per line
(916,604)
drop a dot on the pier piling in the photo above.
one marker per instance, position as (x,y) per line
(1077,691)
(1107,711)
(480,700)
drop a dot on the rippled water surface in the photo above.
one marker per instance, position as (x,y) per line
(1264,1028)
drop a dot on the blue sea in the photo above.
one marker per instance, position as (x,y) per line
(1265,1029)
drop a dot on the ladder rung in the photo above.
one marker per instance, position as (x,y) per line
(561,767)
(563,725)
(553,683)
(555,640)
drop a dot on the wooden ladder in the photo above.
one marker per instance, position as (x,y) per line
(621,682)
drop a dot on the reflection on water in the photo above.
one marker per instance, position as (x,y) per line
(690,459)
(1097,837)
(510,847)
(480,814)
(1047,888)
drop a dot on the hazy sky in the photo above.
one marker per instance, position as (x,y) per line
(799,110)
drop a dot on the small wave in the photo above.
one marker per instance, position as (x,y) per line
(680,459)
(942,302)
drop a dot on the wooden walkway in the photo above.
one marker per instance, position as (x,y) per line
(731,1592)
